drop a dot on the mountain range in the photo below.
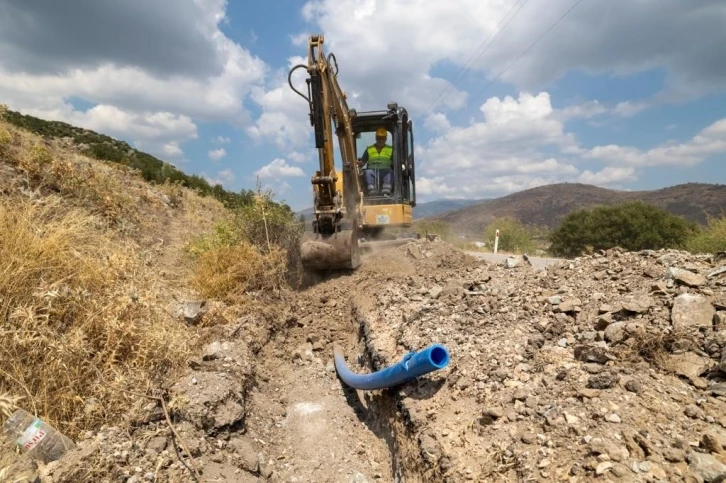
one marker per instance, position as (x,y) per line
(545,206)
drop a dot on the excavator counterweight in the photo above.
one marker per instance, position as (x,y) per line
(343,213)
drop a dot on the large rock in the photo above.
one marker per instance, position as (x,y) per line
(689,364)
(706,466)
(692,311)
(686,277)
(638,303)
(210,400)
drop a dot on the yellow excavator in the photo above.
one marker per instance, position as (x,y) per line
(354,210)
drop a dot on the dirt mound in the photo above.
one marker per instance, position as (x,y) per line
(201,430)
(606,365)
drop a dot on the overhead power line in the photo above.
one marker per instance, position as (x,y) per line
(476,55)
(531,46)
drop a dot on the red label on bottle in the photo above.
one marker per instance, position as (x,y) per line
(32,435)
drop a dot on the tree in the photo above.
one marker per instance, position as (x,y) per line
(633,226)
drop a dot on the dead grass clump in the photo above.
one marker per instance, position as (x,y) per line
(228,272)
(253,249)
(654,346)
(77,310)
(8,404)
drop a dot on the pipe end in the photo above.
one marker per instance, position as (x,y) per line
(438,356)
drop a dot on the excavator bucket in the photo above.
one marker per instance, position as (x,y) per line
(330,252)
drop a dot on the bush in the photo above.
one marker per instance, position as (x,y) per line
(633,226)
(228,272)
(514,237)
(257,247)
(710,240)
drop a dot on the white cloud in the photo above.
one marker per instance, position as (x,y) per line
(608,176)
(284,120)
(507,139)
(410,37)
(298,157)
(172,150)
(224,177)
(437,122)
(221,140)
(278,168)
(505,151)
(709,142)
(217,154)
(521,143)
(134,78)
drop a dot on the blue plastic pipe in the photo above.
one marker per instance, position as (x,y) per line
(413,365)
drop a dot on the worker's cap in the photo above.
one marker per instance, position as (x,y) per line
(381,132)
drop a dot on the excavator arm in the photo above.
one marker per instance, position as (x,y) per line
(337,206)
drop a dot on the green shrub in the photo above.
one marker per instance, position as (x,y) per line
(514,237)
(633,226)
(710,240)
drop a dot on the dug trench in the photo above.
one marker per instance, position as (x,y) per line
(316,427)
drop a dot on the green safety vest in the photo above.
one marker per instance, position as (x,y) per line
(377,160)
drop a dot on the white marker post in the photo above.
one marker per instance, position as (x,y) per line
(496,241)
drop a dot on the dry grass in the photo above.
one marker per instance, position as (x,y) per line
(90,257)
(228,272)
(73,303)
(254,249)
(8,404)
(48,166)
(654,346)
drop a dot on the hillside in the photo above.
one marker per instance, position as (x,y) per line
(545,206)
(106,148)
(436,207)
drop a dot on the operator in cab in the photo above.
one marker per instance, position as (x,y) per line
(379,160)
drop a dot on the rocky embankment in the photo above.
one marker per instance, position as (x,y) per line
(610,366)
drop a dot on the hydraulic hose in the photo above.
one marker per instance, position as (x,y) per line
(413,365)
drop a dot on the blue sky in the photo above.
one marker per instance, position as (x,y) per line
(628,95)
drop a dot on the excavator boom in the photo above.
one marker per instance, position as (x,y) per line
(337,212)
(345,219)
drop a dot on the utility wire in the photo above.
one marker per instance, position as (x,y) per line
(476,55)
(531,46)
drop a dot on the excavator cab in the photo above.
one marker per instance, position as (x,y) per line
(383,210)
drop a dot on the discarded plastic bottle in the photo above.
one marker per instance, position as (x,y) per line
(36,437)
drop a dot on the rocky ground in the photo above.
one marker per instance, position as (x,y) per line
(602,367)
(605,367)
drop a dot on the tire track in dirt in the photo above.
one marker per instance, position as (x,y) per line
(315,428)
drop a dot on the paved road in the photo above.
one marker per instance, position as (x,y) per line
(498,257)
